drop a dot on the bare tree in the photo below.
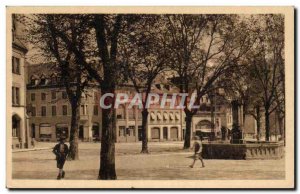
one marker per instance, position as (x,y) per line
(41,33)
(204,48)
(145,57)
(267,62)
(104,30)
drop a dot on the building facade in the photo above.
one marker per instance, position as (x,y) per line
(50,113)
(163,124)
(167,123)
(50,109)
(20,134)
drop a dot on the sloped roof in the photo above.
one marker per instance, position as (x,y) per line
(40,69)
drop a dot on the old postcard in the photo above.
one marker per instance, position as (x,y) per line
(150,97)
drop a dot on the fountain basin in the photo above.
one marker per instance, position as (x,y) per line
(245,151)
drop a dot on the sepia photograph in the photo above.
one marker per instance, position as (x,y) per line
(150,97)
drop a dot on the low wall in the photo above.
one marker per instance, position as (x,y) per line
(243,151)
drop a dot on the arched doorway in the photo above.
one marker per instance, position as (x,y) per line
(174,133)
(81,132)
(203,128)
(33,130)
(165,133)
(155,133)
(16,126)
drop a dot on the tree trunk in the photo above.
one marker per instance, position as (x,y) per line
(73,153)
(212,120)
(281,127)
(144,131)
(188,131)
(258,122)
(107,155)
(267,124)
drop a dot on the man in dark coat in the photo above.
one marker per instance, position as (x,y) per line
(61,151)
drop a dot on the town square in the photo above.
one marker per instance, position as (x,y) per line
(150,96)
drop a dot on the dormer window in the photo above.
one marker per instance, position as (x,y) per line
(34,80)
(54,80)
(43,81)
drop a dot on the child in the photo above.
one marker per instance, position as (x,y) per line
(197,146)
(61,151)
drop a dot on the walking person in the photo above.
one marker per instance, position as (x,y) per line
(197,146)
(61,151)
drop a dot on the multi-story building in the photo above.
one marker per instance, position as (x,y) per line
(50,109)
(20,134)
(163,123)
(50,112)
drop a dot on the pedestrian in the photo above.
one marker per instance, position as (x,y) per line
(197,147)
(61,151)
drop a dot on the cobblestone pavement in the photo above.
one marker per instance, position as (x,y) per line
(167,160)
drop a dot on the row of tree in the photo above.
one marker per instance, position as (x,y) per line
(199,53)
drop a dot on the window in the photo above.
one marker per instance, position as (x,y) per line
(53,95)
(44,112)
(64,95)
(131,131)
(15,126)
(165,116)
(95,96)
(18,96)
(122,130)
(32,81)
(82,110)
(43,96)
(33,111)
(159,117)
(177,116)
(65,110)
(152,116)
(43,81)
(121,112)
(15,65)
(171,116)
(131,113)
(15,96)
(95,109)
(32,96)
(53,110)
